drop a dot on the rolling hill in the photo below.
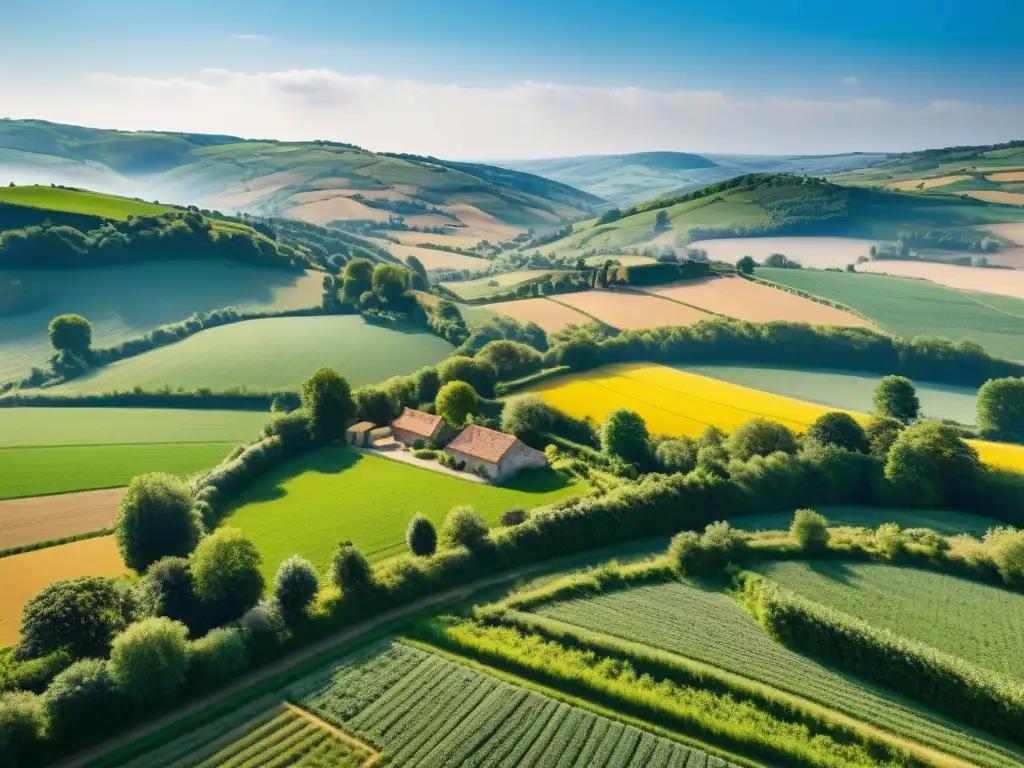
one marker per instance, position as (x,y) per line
(628,179)
(320,182)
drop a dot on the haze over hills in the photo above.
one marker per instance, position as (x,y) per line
(631,178)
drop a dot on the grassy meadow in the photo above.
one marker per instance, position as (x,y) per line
(981,624)
(276,353)
(911,308)
(79,201)
(37,471)
(312,503)
(128,300)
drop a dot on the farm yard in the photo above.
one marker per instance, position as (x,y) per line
(976,622)
(550,315)
(743,299)
(340,494)
(813,252)
(624,309)
(270,354)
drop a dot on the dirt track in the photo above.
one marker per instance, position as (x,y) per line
(43,518)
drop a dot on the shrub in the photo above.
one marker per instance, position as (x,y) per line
(217,657)
(760,437)
(81,615)
(580,354)
(676,455)
(149,659)
(376,405)
(480,374)
(456,402)
(1006,548)
(463,527)
(1001,409)
(428,382)
(685,553)
(881,433)
(22,728)
(511,359)
(527,417)
(838,428)
(32,674)
(82,702)
(427,454)
(692,555)
(350,568)
(810,529)
(265,631)
(294,428)
(295,585)
(421,536)
(930,465)
(327,398)
(226,571)
(168,590)
(624,435)
(514,517)
(896,398)
(156,519)
(890,542)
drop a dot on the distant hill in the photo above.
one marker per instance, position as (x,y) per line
(319,182)
(781,204)
(627,179)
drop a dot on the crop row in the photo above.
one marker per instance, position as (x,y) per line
(424,710)
(711,628)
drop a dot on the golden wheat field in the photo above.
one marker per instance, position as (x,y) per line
(24,575)
(631,311)
(674,402)
(549,315)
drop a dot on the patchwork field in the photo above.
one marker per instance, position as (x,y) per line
(25,574)
(1005,198)
(22,427)
(549,315)
(311,504)
(275,353)
(433,258)
(128,300)
(843,389)
(981,624)
(737,297)
(911,308)
(629,310)
(942,521)
(711,628)
(48,518)
(1005,282)
(496,284)
(816,252)
(1006,176)
(36,471)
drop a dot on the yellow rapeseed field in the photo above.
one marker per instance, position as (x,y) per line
(22,576)
(674,402)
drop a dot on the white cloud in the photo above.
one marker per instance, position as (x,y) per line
(526,119)
(851,80)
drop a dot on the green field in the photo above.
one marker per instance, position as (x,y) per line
(843,389)
(311,504)
(941,521)
(981,624)
(104,426)
(911,308)
(496,284)
(79,201)
(276,353)
(128,300)
(710,627)
(40,471)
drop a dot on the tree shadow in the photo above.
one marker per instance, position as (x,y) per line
(270,487)
(538,481)
(835,570)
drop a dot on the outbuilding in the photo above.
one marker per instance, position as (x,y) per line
(359,434)
(499,454)
(415,425)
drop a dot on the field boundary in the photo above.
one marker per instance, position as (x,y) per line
(46,544)
(375,755)
(677,301)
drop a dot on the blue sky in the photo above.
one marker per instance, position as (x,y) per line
(890,62)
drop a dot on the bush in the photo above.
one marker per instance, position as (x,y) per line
(480,374)
(294,428)
(527,417)
(81,615)
(511,359)
(295,585)
(32,674)
(693,555)
(760,437)
(427,454)
(350,568)
(376,405)
(428,382)
(514,517)
(456,402)
(463,527)
(810,530)
(841,429)
(82,703)
(22,728)
(1001,409)
(168,590)
(676,455)
(890,542)
(148,661)
(421,536)
(896,398)
(881,433)
(327,398)
(156,519)
(624,435)
(226,571)
(930,465)
(217,657)
(580,354)
(1006,548)
(685,553)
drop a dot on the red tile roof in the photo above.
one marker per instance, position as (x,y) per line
(482,443)
(418,422)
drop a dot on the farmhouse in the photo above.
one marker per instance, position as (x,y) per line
(415,425)
(500,455)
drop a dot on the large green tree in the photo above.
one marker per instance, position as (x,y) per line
(456,401)
(838,428)
(760,437)
(327,397)
(896,398)
(356,280)
(480,374)
(148,661)
(155,519)
(1001,409)
(71,333)
(624,435)
(82,702)
(930,465)
(295,586)
(390,284)
(226,571)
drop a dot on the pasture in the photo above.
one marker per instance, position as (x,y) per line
(1004,282)
(39,470)
(625,309)
(497,284)
(981,624)
(815,252)
(843,389)
(550,315)
(276,353)
(747,300)
(945,522)
(709,627)
(25,574)
(911,308)
(312,503)
(79,201)
(129,300)
(23,427)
